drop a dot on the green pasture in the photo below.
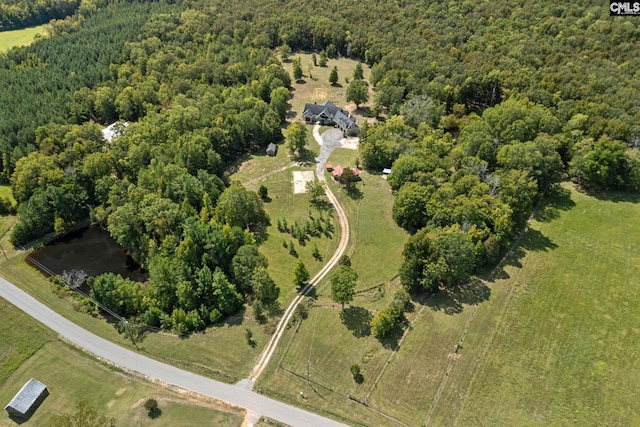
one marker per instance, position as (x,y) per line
(376,240)
(283,205)
(565,349)
(551,339)
(328,342)
(28,349)
(23,37)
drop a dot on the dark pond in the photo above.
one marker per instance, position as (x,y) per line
(91,250)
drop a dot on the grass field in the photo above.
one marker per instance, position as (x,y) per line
(552,340)
(23,37)
(566,349)
(28,349)
(329,344)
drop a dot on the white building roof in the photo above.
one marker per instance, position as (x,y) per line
(27,396)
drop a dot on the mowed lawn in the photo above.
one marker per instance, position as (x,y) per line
(23,37)
(326,343)
(566,348)
(28,349)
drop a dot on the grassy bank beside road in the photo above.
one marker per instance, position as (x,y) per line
(28,349)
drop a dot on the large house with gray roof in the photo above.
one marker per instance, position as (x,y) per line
(330,114)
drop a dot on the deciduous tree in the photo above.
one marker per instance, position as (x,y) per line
(343,284)
(240,208)
(296,137)
(300,275)
(358,92)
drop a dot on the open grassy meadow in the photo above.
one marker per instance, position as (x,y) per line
(551,339)
(565,350)
(23,37)
(28,349)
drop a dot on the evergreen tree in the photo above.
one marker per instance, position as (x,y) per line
(333,77)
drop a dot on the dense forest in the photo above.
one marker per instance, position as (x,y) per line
(533,92)
(16,14)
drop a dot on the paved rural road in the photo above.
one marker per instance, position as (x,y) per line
(239,394)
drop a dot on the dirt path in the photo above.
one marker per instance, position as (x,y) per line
(268,351)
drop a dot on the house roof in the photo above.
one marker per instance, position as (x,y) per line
(114,130)
(272,147)
(343,121)
(327,108)
(338,170)
(27,396)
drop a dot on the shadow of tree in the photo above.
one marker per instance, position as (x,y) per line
(155,413)
(559,200)
(235,319)
(306,157)
(452,300)
(322,205)
(532,240)
(613,196)
(357,320)
(363,110)
(393,338)
(274,310)
(308,291)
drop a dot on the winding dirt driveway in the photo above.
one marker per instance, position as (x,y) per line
(343,222)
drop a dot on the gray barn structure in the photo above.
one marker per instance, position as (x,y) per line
(28,399)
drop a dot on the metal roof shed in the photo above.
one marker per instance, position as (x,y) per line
(28,398)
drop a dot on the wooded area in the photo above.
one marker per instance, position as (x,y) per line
(16,14)
(534,91)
